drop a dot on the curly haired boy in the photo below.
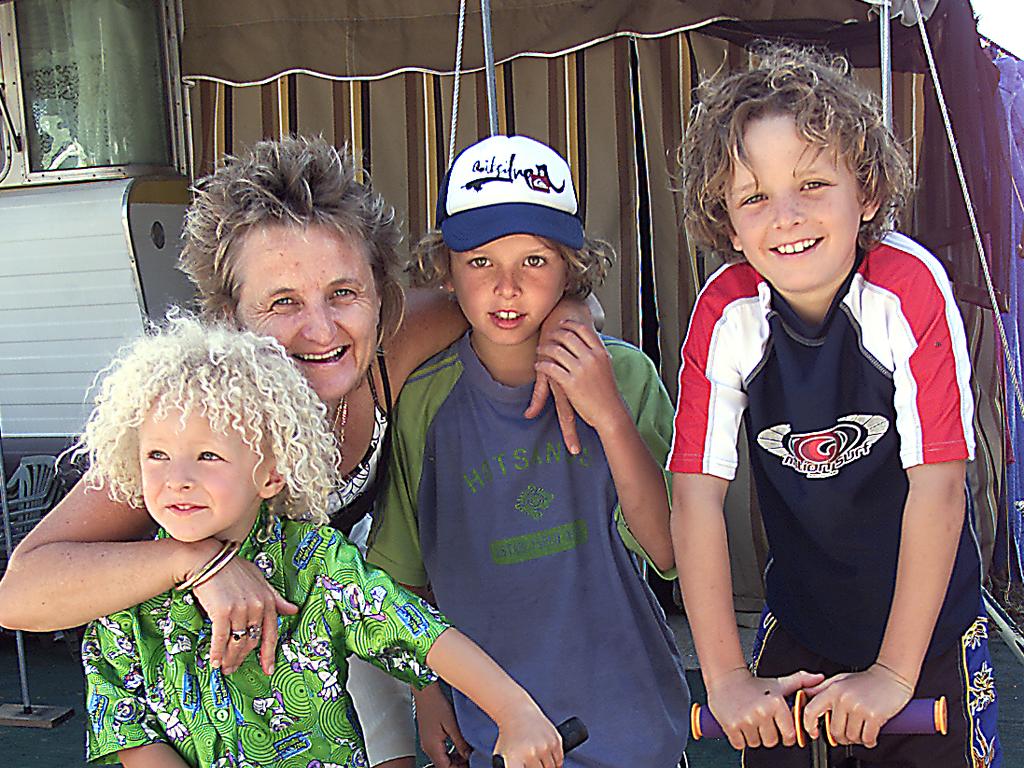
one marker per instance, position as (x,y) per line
(838,344)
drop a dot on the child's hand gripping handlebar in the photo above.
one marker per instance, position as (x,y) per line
(919,716)
(572,731)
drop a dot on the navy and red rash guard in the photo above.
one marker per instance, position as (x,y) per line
(835,415)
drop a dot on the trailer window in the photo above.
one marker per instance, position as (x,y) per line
(93,83)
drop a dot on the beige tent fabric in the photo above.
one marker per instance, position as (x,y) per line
(582,103)
(985,473)
(372,39)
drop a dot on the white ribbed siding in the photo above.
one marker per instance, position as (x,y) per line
(68,299)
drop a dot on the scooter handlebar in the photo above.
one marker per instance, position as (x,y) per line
(572,731)
(919,716)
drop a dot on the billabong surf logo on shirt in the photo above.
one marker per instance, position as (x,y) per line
(822,454)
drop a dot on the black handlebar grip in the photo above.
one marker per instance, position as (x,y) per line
(572,731)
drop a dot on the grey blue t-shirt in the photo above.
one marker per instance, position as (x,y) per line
(527,554)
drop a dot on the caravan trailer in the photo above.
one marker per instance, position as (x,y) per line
(93,186)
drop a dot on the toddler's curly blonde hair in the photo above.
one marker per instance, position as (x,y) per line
(239,381)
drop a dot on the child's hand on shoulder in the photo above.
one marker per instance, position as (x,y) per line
(860,702)
(527,739)
(574,357)
(753,711)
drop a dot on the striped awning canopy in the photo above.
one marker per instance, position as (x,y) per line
(259,40)
(610,85)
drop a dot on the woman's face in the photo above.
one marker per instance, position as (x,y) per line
(312,289)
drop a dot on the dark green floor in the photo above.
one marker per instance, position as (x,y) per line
(54,678)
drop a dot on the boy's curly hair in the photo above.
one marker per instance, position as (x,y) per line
(430,264)
(831,111)
(238,381)
(299,181)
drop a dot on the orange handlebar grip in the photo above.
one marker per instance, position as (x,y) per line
(828,729)
(798,718)
(941,716)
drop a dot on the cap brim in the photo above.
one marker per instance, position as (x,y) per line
(470,229)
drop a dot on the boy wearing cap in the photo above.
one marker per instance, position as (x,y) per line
(527,546)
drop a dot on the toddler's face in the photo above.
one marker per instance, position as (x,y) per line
(795,213)
(198,483)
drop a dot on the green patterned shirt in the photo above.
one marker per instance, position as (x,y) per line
(149,679)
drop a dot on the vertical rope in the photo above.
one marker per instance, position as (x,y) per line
(455,89)
(961,176)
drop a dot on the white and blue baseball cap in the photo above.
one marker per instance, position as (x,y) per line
(508,185)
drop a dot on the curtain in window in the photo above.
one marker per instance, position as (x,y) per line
(93,81)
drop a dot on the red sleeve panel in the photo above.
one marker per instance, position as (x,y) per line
(724,342)
(908,287)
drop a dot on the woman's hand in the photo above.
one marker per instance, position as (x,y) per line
(236,598)
(436,722)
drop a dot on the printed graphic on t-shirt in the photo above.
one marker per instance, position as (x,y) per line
(533,500)
(510,463)
(823,453)
(531,546)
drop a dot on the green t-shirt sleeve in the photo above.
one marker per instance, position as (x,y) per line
(381,622)
(115,696)
(394,541)
(653,414)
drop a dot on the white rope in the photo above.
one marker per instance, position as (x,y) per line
(455,89)
(1004,624)
(1009,632)
(1010,358)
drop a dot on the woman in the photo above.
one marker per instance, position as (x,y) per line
(288,243)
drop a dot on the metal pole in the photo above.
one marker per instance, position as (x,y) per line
(492,85)
(26,702)
(885,51)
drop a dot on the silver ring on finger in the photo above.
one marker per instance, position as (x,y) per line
(237,635)
(254,631)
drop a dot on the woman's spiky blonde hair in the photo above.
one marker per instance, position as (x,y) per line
(299,181)
(239,381)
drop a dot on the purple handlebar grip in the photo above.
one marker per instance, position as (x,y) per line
(703,724)
(919,716)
